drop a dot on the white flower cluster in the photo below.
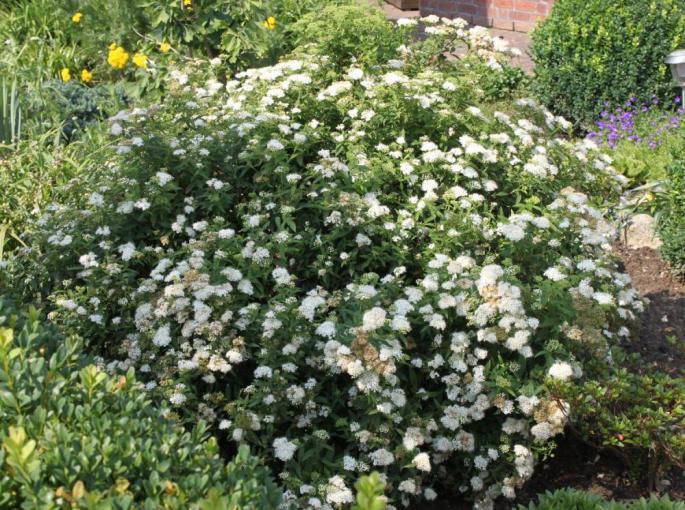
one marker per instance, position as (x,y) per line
(351,267)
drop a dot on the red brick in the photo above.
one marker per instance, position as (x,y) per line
(526,5)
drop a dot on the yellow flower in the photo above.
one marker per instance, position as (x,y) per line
(270,23)
(117,56)
(65,74)
(76,18)
(164,47)
(86,76)
(188,4)
(140,60)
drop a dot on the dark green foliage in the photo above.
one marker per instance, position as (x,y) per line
(73,105)
(641,416)
(69,431)
(671,214)
(588,52)
(569,499)
(505,84)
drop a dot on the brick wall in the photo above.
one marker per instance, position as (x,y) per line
(519,15)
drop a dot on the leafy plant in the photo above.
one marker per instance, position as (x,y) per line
(10,115)
(670,213)
(349,269)
(71,433)
(591,52)
(351,33)
(642,137)
(570,499)
(370,493)
(32,176)
(640,417)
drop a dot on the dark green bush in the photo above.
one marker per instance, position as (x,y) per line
(588,52)
(569,499)
(73,106)
(72,434)
(671,214)
(641,417)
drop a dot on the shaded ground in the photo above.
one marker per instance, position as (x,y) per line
(661,344)
(662,335)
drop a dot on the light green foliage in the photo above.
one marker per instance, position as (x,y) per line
(643,164)
(370,493)
(670,214)
(588,52)
(647,159)
(10,113)
(569,499)
(32,176)
(71,433)
(358,33)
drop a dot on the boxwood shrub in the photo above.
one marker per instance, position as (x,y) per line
(589,52)
(73,435)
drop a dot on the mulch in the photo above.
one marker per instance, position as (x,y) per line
(661,345)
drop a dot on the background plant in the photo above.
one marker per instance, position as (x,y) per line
(568,499)
(32,175)
(72,434)
(10,113)
(641,137)
(591,52)
(638,417)
(670,215)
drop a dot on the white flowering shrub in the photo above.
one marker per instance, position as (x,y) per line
(351,270)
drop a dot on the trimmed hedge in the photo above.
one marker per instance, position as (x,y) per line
(588,52)
(73,435)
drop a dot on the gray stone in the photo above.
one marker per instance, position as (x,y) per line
(639,232)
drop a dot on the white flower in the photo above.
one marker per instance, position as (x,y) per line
(355,74)
(164,178)
(127,250)
(281,276)
(326,329)
(382,457)
(284,449)
(337,492)
(373,319)
(162,336)
(429,494)
(422,462)
(263,372)
(511,231)
(603,298)
(88,260)
(560,370)
(274,145)
(554,274)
